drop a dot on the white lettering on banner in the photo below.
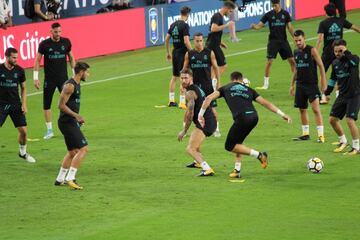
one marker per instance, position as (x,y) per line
(195,19)
(256,9)
(83,3)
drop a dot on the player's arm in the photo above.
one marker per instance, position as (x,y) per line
(319,41)
(205,105)
(37,10)
(315,54)
(292,85)
(167,47)
(36,70)
(68,89)
(258,26)
(215,68)
(23,97)
(187,42)
(355,28)
(290,28)
(189,114)
(72,61)
(272,108)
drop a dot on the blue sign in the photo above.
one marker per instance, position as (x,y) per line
(153,25)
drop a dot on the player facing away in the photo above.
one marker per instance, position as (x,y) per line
(179,32)
(345,72)
(201,61)
(239,99)
(11,77)
(307,90)
(55,51)
(279,20)
(195,97)
(69,124)
(340,6)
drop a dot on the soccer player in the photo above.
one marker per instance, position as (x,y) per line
(239,98)
(307,59)
(69,124)
(279,20)
(201,61)
(11,77)
(345,72)
(195,97)
(179,32)
(55,50)
(340,5)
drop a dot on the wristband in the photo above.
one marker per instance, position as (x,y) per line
(201,112)
(36,75)
(280,113)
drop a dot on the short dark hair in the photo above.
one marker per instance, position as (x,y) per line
(330,9)
(299,33)
(186,71)
(10,51)
(81,66)
(185,10)
(275,1)
(198,34)
(55,25)
(229,4)
(339,42)
(236,76)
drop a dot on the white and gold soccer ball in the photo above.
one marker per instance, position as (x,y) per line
(246,82)
(315,165)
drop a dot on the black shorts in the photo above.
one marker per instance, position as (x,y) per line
(178,58)
(282,47)
(74,138)
(49,89)
(209,128)
(240,130)
(219,55)
(305,94)
(348,106)
(327,58)
(14,110)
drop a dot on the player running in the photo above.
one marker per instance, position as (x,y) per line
(195,97)
(239,99)
(307,59)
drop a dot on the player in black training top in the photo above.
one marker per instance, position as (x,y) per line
(345,72)
(279,20)
(179,32)
(201,61)
(331,29)
(195,97)
(55,50)
(214,38)
(239,98)
(69,124)
(340,5)
(11,77)
(307,59)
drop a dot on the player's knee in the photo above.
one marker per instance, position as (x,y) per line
(22,132)
(333,120)
(84,149)
(350,121)
(190,150)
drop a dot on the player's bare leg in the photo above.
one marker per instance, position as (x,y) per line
(216,85)
(304,118)
(268,65)
(172,87)
(48,121)
(355,136)
(243,150)
(182,103)
(237,169)
(78,156)
(315,105)
(22,139)
(335,123)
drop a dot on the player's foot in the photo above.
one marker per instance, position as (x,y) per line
(182,106)
(353,151)
(27,157)
(321,139)
(49,134)
(302,138)
(262,88)
(63,183)
(235,39)
(206,173)
(73,185)
(217,133)
(172,104)
(323,102)
(193,165)
(263,159)
(341,147)
(235,174)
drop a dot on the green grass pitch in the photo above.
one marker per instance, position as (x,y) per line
(136,185)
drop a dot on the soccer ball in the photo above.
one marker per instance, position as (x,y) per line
(315,165)
(246,82)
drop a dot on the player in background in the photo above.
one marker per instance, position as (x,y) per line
(345,72)
(55,50)
(307,60)
(202,61)
(179,32)
(195,97)
(11,77)
(239,98)
(69,124)
(279,20)
(340,6)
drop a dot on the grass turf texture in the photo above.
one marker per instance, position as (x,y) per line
(136,185)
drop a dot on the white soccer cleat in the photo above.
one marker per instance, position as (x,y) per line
(27,157)
(217,133)
(49,134)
